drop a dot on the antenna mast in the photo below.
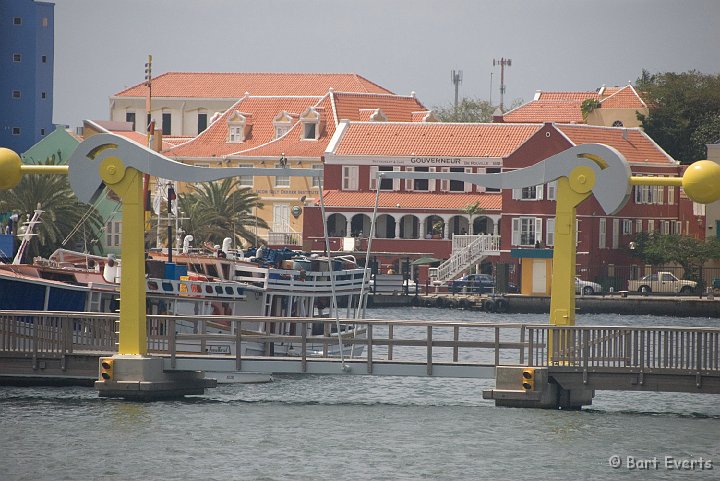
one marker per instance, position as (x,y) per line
(456,79)
(502,62)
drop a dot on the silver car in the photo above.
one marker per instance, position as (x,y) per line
(587,288)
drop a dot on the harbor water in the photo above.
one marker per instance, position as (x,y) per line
(361,428)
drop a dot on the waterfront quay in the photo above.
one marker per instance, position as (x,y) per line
(678,306)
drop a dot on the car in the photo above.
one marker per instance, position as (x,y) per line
(587,288)
(662,282)
(476,283)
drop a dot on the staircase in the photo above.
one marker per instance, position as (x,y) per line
(467,251)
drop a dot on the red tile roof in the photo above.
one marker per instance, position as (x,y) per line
(233,85)
(397,108)
(427,139)
(634,144)
(564,107)
(411,200)
(213,142)
(563,111)
(262,143)
(625,98)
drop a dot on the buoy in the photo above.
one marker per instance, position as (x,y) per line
(489,305)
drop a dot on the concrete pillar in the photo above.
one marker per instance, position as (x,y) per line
(397,227)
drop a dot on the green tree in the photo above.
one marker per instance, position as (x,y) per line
(472,210)
(688,252)
(468,110)
(684,112)
(62,214)
(216,210)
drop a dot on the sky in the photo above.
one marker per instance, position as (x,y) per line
(406,46)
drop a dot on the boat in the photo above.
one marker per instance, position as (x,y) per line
(273,286)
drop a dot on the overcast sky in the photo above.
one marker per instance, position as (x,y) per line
(404,45)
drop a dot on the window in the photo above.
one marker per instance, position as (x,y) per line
(671,195)
(45,22)
(43,95)
(615,233)
(316,180)
(17,57)
(385,184)
(310,131)
(282,123)
(350,177)
(617,123)
(245,180)
(638,225)
(16,130)
(113,231)
(202,122)
(651,226)
(550,234)
(310,120)
(17,20)
(42,131)
(43,59)
(492,170)
(665,227)
(147,124)
(238,127)
(236,134)
(167,123)
(528,193)
(627,226)
(602,233)
(281,130)
(420,184)
(16,94)
(130,117)
(282,181)
(678,227)
(698,209)
(457,185)
(551,190)
(526,231)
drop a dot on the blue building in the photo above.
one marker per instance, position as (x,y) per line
(26,81)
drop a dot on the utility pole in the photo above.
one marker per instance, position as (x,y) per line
(456,79)
(502,62)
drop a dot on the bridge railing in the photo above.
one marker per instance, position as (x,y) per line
(693,349)
(55,334)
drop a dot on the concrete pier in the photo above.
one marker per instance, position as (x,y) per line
(144,378)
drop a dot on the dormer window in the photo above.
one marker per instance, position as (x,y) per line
(282,123)
(239,127)
(311,123)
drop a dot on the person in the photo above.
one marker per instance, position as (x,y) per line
(391,270)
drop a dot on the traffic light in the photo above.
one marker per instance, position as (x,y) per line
(528,379)
(106,368)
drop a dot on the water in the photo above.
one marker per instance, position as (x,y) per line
(355,428)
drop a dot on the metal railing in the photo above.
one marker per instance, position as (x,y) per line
(656,349)
(467,250)
(648,348)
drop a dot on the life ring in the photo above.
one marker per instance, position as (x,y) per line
(501,305)
(489,305)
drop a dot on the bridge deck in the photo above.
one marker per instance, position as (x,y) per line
(67,345)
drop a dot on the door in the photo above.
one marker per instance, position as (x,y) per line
(281,218)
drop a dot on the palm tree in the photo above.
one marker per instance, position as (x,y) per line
(62,213)
(215,210)
(472,210)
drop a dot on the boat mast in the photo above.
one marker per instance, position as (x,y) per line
(27,235)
